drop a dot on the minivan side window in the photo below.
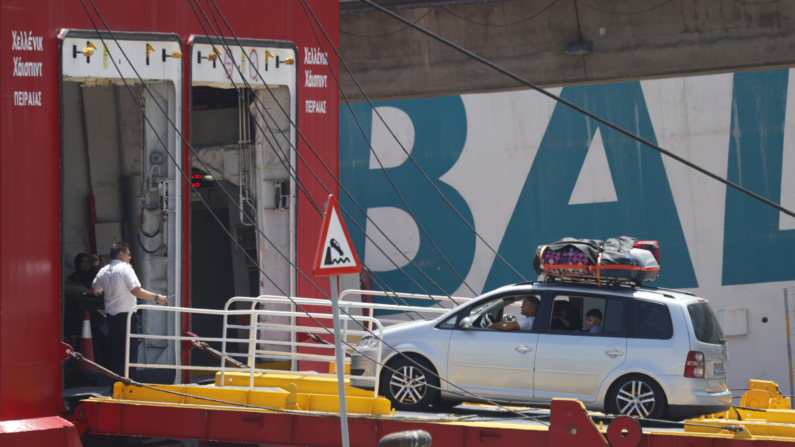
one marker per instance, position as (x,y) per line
(587,315)
(650,320)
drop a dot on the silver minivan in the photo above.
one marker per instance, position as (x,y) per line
(639,351)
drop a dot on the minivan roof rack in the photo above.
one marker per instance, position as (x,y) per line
(564,281)
(669,290)
(623,285)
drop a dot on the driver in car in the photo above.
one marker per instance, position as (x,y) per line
(529,309)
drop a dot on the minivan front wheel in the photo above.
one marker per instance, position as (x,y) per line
(637,396)
(410,386)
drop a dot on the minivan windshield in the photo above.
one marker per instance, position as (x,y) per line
(705,324)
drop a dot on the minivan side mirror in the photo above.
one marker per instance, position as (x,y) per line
(465,323)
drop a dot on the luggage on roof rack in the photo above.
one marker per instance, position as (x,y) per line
(614,260)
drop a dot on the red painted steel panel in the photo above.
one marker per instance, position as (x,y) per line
(323,431)
(30,147)
(49,431)
(159,422)
(486,436)
(327,433)
(235,426)
(105,417)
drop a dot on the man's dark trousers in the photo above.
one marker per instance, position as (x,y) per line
(117,339)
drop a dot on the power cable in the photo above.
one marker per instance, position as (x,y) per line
(341,186)
(498,25)
(374,154)
(151,252)
(294,174)
(581,110)
(129,382)
(186,177)
(299,183)
(390,33)
(315,175)
(408,154)
(329,171)
(757,3)
(466,392)
(625,13)
(141,225)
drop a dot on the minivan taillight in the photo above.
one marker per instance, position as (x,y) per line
(694,367)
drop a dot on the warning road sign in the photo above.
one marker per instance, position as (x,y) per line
(335,254)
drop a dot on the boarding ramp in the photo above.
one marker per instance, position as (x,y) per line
(307,387)
(250,404)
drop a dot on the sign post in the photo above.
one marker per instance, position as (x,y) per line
(335,255)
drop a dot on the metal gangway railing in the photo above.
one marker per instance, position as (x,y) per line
(251,341)
(437,299)
(347,306)
(789,316)
(373,324)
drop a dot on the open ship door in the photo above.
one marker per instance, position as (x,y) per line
(121,176)
(243,97)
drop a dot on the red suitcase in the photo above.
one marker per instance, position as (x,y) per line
(652,246)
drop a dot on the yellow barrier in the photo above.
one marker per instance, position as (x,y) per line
(269,398)
(306,383)
(762,411)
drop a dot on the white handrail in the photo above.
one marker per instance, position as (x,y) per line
(346,305)
(404,295)
(253,353)
(434,298)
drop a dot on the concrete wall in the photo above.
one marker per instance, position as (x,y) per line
(637,39)
(525,171)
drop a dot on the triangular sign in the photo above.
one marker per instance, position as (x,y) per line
(335,254)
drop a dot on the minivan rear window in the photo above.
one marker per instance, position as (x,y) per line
(651,320)
(705,324)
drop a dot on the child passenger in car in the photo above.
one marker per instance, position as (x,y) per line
(593,321)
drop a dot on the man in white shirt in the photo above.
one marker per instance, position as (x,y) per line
(529,309)
(121,287)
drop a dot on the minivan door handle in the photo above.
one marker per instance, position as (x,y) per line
(614,353)
(523,349)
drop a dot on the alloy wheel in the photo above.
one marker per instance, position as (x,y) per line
(635,398)
(408,385)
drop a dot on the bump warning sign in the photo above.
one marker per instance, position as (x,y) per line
(335,254)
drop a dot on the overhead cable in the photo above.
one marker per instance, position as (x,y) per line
(630,13)
(581,110)
(375,155)
(408,154)
(342,208)
(187,180)
(325,166)
(503,24)
(292,172)
(402,354)
(234,240)
(389,33)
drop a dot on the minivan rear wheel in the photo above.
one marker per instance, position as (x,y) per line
(408,386)
(637,396)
